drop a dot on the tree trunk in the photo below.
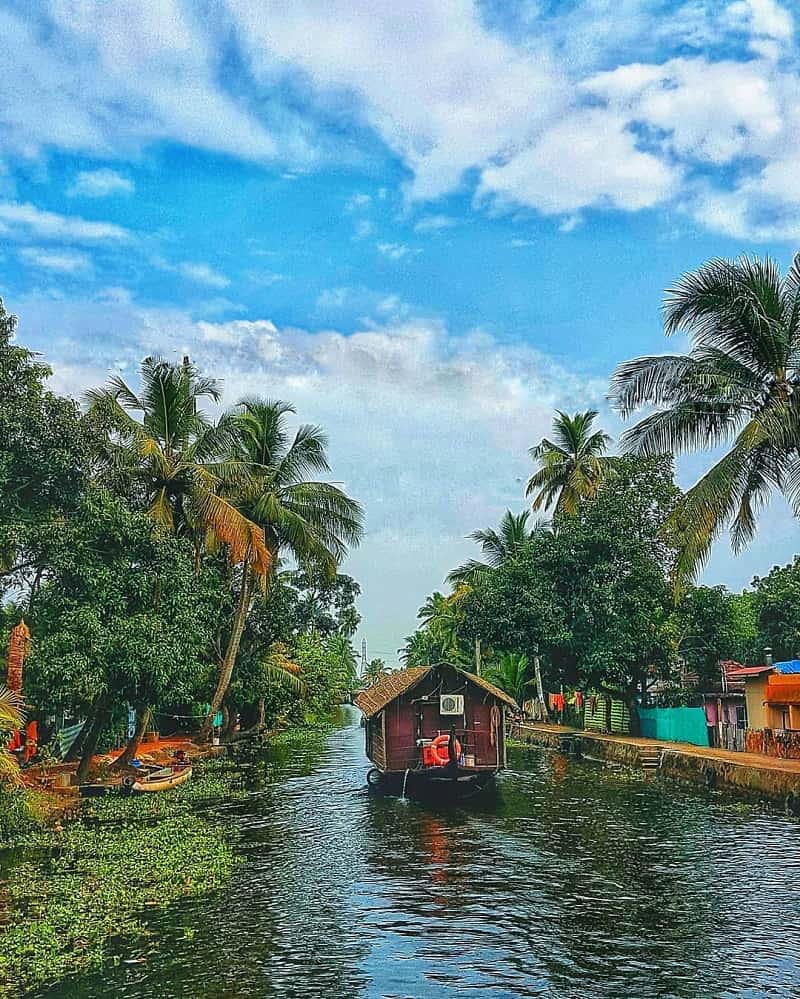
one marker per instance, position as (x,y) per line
(132,748)
(101,714)
(228,663)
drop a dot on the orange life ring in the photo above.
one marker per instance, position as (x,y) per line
(442,742)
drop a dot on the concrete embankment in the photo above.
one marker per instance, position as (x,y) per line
(763,777)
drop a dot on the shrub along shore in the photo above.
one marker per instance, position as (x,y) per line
(73,893)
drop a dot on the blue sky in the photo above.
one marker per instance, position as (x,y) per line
(427,224)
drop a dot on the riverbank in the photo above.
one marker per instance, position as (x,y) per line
(72,894)
(767,777)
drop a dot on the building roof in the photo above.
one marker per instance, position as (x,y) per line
(376,697)
(744,671)
(393,685)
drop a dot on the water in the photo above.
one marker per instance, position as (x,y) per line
(578,881)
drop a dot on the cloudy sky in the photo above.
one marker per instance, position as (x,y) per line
(425,223)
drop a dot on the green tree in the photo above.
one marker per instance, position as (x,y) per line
(325,603)
(375,671)
(313,521)
(43,460)
(512,673)
(711,626)
(571,466)
(736,388)
(776,600)
(594,597)
(498,547)
(174,460)
(120,619)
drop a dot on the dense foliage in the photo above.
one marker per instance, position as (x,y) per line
(142,540)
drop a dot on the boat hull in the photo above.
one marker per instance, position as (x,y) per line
(173,780)
(431,783)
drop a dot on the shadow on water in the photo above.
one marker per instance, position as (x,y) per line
(574,881)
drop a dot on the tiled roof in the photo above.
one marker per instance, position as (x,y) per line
(790,666)
(375,698)
(745,671)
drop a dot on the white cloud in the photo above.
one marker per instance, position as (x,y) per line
(62,261)
(589,158)
(358,202)
(99,184)
(624,106)
(203,274)
(406,404)
(445,93)
(764,18)
(363,228)
(394,251)
(23,220)
(108,78)
(435,223)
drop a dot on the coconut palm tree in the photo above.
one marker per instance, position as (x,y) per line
(571,466)
(513,674)
(11,720)
(499,546)
(737,387)
(315,522)
(161,449)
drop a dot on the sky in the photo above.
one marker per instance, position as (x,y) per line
(426,224)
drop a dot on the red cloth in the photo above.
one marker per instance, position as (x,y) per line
(32,731)
(578,700)
(16,742)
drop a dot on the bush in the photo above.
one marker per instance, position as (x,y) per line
(21,812)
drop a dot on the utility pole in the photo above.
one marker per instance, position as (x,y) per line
(477,657)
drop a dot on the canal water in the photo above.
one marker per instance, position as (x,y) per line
(578,880)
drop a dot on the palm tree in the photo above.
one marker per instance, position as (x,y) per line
(571,466)
(498,547)
(376,669)
(512,674)
(313,521)
(11,720)
(422,649)
(737,387)
(174,458)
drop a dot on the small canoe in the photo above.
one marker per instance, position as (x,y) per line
(163,780)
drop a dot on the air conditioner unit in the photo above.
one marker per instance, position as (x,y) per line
(451,704)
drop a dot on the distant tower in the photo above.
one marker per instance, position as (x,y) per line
(363,657)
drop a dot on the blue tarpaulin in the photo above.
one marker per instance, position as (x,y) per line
(790,666)
(675,725)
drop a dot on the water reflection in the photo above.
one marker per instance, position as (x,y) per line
(577,881)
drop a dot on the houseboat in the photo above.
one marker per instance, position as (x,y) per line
(434,730)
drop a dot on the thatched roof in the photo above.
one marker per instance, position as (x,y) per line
(375,698)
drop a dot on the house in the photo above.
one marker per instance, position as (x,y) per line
(434,724)
(772,696)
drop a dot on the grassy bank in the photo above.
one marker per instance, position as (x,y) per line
(68,894)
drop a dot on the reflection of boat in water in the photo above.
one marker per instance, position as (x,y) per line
(434,731)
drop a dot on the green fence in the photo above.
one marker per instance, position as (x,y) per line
(674,725)
(602,714)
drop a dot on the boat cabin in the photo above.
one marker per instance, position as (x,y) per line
(432,717)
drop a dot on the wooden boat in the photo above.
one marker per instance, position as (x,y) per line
(434,731)
(162,779)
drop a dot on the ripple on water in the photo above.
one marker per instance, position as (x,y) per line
(577,881)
